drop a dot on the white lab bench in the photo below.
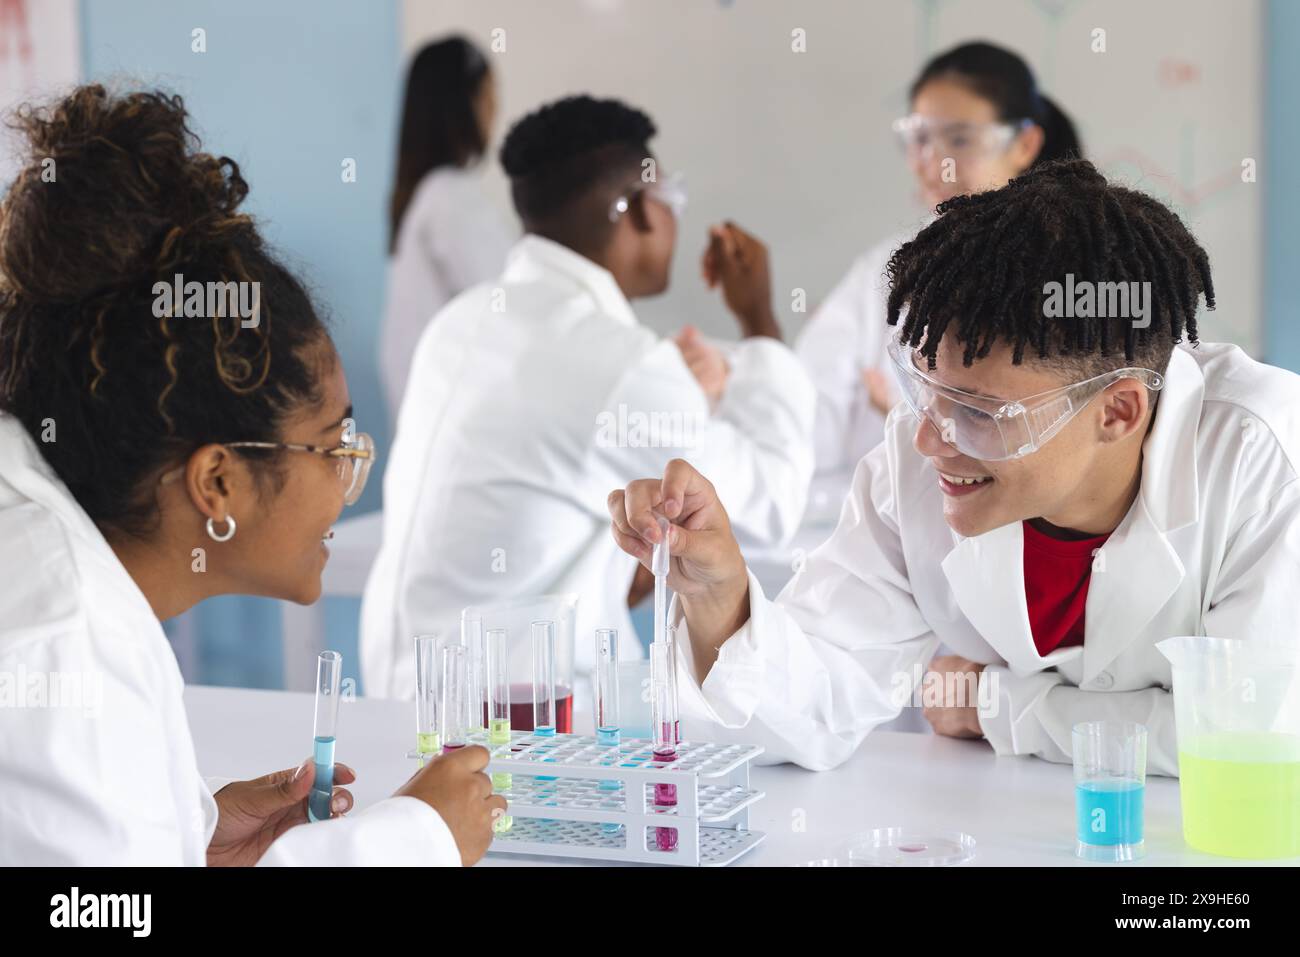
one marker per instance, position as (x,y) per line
(1020,811)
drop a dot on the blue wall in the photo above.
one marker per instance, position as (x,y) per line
(288,89)
(1282,189)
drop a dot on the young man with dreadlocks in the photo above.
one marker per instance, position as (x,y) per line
(1063,486)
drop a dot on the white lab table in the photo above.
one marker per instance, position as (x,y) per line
(1019,810)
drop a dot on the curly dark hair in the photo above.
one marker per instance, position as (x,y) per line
(566,150)
(116,197)
(982,267)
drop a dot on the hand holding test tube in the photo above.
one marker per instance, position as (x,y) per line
(329,671)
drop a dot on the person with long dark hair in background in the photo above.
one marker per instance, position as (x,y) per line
(445,234)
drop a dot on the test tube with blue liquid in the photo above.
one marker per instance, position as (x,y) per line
(426,697)
(329,672)
(663,719)
(1110,760)
(498,693)
(453,698)
(544,683)
(608,734)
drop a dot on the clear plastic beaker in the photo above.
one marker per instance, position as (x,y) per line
(517,618)
(1110,775)
(1237,710)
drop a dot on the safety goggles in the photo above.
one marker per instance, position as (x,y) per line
(353,459)
(990,429)
(956,139)
(671,192)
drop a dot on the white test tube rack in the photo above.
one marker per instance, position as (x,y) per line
(567,813)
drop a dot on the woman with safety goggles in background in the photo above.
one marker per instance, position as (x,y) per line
(977,120)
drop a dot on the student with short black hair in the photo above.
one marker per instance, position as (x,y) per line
(533,394)
(1068,480)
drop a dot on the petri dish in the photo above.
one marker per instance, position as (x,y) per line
(905,847)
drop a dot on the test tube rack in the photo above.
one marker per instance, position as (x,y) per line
(559,808)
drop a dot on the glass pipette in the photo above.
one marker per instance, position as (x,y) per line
(660,566)
(329,671)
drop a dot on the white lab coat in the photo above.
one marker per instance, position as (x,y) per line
(112,779)
(844,337)
(1211,546)
(497,483)
(452,237)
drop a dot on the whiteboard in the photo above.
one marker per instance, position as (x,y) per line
(796,145)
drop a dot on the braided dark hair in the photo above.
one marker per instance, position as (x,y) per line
(982,267)
(132,203)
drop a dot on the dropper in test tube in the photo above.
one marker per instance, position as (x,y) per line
(498,691)
(663,718)
(660,565)
(426,690)
(453,698)
(608,733)
(329,671)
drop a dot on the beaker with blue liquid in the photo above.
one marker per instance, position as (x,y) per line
(1110,764)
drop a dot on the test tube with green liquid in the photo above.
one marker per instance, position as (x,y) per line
(498,688)
(426,701)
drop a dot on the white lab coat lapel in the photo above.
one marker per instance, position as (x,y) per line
(1137,571)
(987,577)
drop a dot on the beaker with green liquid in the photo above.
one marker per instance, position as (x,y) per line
(1237,710)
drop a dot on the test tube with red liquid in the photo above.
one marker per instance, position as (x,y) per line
(663,717)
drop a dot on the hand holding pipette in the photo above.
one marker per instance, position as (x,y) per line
(706,569)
